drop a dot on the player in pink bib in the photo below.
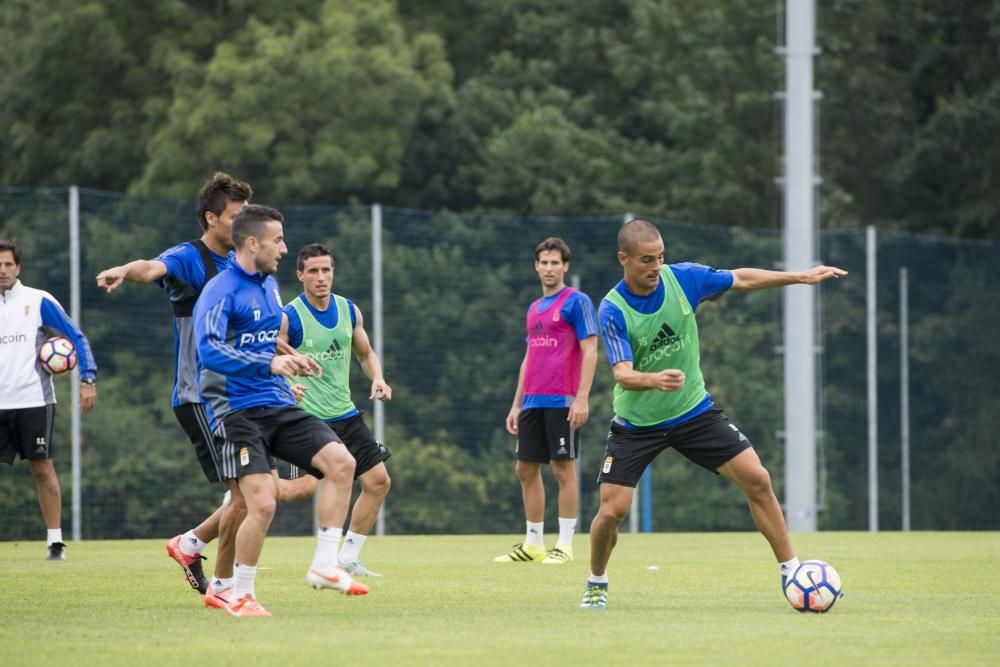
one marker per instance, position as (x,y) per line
(551,402)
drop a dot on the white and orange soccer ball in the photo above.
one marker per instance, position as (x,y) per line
(57,355)
(814,586)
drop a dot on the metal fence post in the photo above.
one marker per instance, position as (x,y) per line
(377,330)
(74,310)
(870,315)
(904,392)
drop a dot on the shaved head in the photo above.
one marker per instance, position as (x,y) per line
(635,232)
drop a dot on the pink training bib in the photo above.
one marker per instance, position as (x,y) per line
(554,356)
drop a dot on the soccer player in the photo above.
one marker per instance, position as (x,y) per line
(183,270)
(329,328)
(29,316)
(551,402)
(660,400)
(252,412)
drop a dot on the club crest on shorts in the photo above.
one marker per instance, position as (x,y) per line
(244,456)
(607,464)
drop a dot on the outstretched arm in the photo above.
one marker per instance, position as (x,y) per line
(745,280)
(139,271)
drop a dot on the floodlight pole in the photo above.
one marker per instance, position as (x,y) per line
(800,182)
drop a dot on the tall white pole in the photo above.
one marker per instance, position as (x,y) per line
(377,333)
(904,391)
(872,343)
(74,311)
(799,248)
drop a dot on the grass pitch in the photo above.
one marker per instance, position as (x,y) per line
(678,599)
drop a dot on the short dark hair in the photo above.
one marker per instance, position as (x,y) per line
(251,221)
(217,192)
(634,232)
(311,250)
(554,243)
(10,246)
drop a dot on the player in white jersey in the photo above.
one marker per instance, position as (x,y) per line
(29,316)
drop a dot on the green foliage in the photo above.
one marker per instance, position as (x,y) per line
(305,110)
(660,107)
(910,115)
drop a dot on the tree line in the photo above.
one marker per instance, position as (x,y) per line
(566,107)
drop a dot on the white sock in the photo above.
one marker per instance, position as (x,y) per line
(535,533)
(603,579)
(351,550)
(191,545)
(243,583)
(788,568)
(55,535)
(219,584)
(327,541)
(566,529)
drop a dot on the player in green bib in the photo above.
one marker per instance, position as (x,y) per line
(329,329)
(660,401)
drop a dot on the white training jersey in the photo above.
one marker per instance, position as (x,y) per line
(29,316)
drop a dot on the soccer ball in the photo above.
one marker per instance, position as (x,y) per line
(814,586)
(57,355)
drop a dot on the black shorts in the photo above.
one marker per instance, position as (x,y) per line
(249,440)
(194,420)
(710,440)
(366,450)
(26,432)
(543,434)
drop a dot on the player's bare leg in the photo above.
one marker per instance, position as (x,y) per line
(208,530)
(260,494)
(564,471)
(232,515)
(569,491)
(337,466)
(616,500)
(220,588)
(746,471)
(532,549)
(50,502)
(615,503)
(293,490)
(532,490)
(49,493)
(261,497)
(374,487)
